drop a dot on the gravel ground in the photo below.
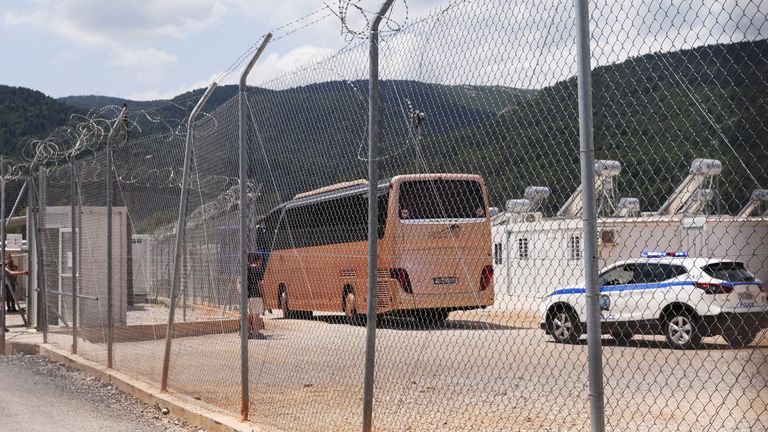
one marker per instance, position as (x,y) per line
(478,372)
(85,401)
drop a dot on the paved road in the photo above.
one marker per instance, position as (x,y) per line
(39,395)
(468,375)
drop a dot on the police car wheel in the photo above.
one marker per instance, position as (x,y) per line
(740,339)
(681,329)
(564,325)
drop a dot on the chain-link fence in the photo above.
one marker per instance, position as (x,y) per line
(481,284)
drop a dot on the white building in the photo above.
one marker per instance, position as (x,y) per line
(534,255)
(56,236)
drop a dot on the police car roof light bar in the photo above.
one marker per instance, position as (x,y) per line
(661,254)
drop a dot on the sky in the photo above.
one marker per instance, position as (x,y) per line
(149,49)
(156,49)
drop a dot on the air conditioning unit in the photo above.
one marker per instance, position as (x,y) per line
(531,217)
(608,237)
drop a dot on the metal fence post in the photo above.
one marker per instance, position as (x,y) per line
(373,183)
(39,226)
(110,296)
(589,218)
(16,203)
(180,228)
(2,247)
(73,236)
(184,280)
(32,264)
(243,214)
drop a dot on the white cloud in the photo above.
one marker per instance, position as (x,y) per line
(135,58)
(126,31)
(268,68)
(275,65)
(142,20)
(171,93)
(526,43)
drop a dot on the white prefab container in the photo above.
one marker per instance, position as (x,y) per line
(533,259)
(56,237)
(142,279)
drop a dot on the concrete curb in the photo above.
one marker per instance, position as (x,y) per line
(190,411)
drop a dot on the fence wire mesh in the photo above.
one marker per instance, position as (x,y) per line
(480,284)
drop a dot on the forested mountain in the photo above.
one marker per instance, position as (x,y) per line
(653,113)
(25,112)
(470,103)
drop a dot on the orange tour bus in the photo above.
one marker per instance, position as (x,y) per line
(434,248)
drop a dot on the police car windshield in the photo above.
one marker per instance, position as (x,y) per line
(729,271)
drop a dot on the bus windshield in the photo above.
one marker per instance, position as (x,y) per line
(441,199)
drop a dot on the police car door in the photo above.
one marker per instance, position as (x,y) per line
(653,283)
(613,282)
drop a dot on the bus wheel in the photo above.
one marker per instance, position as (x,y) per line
(287,314)
(305,315)
(438,317)
(349,307)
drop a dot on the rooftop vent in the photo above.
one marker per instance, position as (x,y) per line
(518,205)
(685,198)
(628,207)
(759,198)
(605,171)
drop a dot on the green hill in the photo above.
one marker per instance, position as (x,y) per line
(653,113)
(25,112)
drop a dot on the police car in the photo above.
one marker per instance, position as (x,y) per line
(666,293)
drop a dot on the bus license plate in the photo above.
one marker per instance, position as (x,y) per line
(445,280)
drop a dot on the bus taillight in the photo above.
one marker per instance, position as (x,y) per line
(486,276)
(402,277)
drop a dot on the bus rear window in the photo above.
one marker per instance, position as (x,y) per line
(441,199)
(729,271)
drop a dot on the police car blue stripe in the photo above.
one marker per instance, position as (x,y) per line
(618,288)
(640,287)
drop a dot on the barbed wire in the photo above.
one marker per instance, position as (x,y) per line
(349,7)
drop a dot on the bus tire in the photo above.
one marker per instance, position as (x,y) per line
(305,315)
(438,316)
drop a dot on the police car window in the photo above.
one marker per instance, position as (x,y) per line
(617,276)
(651,273)
(673,271)
(729,271)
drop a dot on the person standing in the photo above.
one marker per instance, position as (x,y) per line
(11,273)
(255,299)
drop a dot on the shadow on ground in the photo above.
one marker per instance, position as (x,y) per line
(416,324)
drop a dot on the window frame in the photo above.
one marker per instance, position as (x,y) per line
(476,186)
(523,248)
(660,272)
(497,253)
(319,222)
(624,268)
(574,247)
